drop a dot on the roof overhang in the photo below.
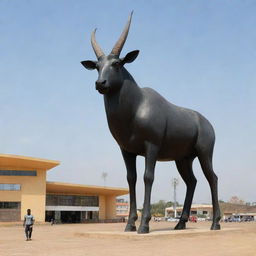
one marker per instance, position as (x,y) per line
(21,162)
(68,188)
(193,207)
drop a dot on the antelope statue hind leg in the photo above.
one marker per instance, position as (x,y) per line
(184,167)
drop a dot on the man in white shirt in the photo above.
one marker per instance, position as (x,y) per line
(28,224)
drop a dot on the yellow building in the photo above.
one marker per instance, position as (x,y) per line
(23,186)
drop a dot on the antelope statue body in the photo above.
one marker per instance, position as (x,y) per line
(146,124)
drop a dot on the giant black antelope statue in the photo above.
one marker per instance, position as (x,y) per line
(146,124)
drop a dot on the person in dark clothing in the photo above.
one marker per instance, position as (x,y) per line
(28,224)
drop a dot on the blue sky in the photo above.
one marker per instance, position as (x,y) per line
(197,54)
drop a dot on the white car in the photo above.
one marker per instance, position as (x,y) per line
(173,219)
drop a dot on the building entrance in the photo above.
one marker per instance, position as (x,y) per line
(70,217)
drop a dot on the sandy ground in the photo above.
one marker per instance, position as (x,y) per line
(110,240)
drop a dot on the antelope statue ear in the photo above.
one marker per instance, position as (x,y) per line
(89,64)
(130,57)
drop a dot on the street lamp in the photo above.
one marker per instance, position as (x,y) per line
(175,182)
(104,177)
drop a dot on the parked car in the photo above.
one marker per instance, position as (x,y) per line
(173,219)
(248,218)
(232,219)
(193,219)
(201,219)
(157,219)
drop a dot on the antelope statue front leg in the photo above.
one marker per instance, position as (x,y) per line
(150,162)
(130,163)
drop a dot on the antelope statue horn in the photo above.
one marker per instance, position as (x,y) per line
(120,43)
(95,45)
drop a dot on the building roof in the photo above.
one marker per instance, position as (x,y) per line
(68,188)
(9,161)
(193,206)
(237,208)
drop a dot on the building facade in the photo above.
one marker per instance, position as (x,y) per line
(23,186)
(238,212)
(232,212)
(122,208)
(198,210)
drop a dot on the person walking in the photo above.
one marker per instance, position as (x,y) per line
(28,224)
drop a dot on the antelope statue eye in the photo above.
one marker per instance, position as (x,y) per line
(116,64)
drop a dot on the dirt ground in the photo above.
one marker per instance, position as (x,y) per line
(110,240)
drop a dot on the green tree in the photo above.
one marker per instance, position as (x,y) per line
(158,209)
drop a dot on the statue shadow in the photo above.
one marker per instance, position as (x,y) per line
(168,229)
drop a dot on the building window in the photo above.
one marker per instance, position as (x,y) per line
(120,200)
(193,212)
(12,187)
(72,200)
(9,205)
(205,212)
(17,173)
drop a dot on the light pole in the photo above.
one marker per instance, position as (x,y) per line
(175,182)
(104,177)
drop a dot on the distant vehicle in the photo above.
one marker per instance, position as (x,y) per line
(157,219)
(193,219)
(248,218)
(229,219)
(173,219)
(233,219)
(201,219)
